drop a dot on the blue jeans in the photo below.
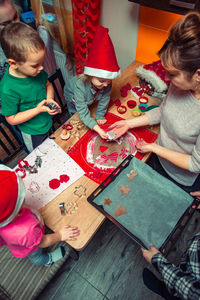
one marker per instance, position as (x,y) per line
(38,258)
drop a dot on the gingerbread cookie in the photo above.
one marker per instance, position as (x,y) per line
(120,210)
(107,201)
(125,190)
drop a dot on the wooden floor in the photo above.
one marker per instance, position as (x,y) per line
(110,267)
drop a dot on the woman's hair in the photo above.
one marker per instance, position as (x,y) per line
(17,39)
(182,48)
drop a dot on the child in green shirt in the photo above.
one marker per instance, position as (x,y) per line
(25,89)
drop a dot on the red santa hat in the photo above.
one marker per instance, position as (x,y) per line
(12,195)
(155,74)
(102,61)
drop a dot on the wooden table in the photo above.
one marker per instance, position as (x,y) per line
(87,218)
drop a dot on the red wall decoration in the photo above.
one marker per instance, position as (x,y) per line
(85,20)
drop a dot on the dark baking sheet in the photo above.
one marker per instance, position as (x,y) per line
(154,204)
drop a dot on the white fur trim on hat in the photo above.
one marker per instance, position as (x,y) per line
(20,197)
(101,73)
(150,76)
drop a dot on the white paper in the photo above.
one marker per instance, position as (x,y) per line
(55,162)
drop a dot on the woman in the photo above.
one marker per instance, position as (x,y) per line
(177,154)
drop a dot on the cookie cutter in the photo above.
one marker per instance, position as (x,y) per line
(62,208)
(111,135)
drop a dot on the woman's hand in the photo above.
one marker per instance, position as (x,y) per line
(119,128)
(101,122)
(143,146)
(68,233)
(197,195)
(148,254)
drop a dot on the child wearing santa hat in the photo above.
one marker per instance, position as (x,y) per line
(22,230)
(95,84)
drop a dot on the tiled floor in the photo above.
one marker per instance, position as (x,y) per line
(110,268)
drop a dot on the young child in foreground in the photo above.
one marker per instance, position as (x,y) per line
(95,84)
(25,89)
(22,230)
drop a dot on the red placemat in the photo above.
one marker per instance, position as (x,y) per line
(79,150)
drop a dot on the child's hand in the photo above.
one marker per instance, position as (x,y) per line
(101,132)
(68,233)
(143,146)
(41,107)
(101,122)
(119,128)
(148,254)
(53,111)
(103,135)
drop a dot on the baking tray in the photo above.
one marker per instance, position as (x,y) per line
(154,205)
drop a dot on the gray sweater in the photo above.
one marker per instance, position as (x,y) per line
(179,118)
(82,94)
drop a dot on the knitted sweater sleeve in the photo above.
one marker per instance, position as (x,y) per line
(154,115)
(194,159)
(81,105)
(103,103)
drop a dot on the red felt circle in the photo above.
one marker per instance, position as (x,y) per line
(64,178)
(131,103)
(54,184)
(124,93)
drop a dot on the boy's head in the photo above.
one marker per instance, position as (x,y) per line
(12,195)
(23,47)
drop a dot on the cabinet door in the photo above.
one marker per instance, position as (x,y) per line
(183,4)
(176,6)
(159,4)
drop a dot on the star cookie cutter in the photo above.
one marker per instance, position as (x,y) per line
(80,191)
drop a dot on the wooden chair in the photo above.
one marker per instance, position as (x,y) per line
(58,83)
(10,142)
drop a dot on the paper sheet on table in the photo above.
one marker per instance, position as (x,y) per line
(55,162)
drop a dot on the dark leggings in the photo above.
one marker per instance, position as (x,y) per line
(157,286)
(154,162)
